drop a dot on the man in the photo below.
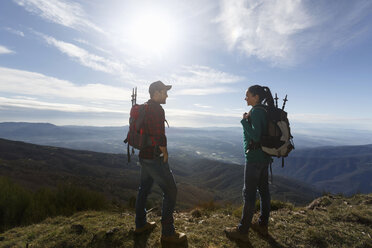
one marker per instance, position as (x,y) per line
(155,167)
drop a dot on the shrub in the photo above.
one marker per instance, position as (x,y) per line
(14,201)
(209,205)
(274,205)
(19,206)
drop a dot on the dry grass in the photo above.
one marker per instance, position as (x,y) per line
(332,221)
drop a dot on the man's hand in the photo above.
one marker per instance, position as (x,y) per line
(164,150)
(245,115)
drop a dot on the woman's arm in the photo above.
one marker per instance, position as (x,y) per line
(254,129)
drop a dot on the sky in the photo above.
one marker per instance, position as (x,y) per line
(75,62)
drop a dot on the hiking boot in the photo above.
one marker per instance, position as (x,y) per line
(149,226)
(234,233)
(262,229)
(176,238)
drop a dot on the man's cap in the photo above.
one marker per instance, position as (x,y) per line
(158,86)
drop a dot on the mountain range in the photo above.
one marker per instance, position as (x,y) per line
(328,164)
(199,180)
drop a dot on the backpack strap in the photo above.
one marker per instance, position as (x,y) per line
(271,172)
(128,153)
(255,145)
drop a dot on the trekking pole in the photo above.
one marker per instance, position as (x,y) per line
(134,102)
(276,100)
(284,101)
(134,96)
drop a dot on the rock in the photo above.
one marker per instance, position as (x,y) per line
(112,231)
(77,228)
(196,213)
(314,204)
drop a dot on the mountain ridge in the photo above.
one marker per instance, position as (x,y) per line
(200,180)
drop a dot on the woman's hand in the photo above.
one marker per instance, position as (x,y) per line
(245,115)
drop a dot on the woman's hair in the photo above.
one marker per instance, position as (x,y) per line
(264,94)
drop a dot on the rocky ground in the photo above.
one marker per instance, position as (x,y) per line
(329,221)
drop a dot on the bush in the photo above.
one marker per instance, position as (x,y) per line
(14,201)
(19,206)
(208,206)
(274,205)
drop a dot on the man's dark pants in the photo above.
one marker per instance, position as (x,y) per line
(155,170)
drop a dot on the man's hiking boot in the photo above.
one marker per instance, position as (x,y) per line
(234,233)
(176,238)
(262,229)
(148,227)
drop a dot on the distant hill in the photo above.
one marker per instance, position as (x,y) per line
(336,169)
(344,169)
(199,180)
(224,143)
(329,221)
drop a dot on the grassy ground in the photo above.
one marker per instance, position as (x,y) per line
(330,221)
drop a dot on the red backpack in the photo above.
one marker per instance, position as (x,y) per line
(137,136)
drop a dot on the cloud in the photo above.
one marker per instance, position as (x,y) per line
(4,50)
(87,43)
(95,62)
(16,32)
(284,32)
(202,80)
(66,13)
(20,82)
(204,91)
(30,103)
(202,106)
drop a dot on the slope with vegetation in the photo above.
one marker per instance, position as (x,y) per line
(199,180)
(329,221)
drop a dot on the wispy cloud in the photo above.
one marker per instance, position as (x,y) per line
(91,60)
(19,82)
(30,103)
(204,91)
(202,80)
(63,12)
(14,31)
(5,50)
(283,32)
(197,75)
(85,42)
(202,106)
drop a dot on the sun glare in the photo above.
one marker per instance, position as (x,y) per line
(152,33)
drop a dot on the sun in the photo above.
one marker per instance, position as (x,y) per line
(152,33)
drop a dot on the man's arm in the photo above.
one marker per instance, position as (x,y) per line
(164,150)
(157,131)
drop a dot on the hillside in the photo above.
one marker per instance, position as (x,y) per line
(326,163)
(199,180)
(329,221)
(343,169)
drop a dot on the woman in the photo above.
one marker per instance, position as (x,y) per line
(256,167)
